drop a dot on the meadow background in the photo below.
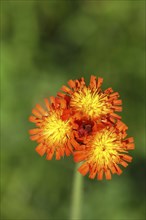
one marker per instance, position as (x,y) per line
(43,45)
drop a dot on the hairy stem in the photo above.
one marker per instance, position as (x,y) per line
(76,202)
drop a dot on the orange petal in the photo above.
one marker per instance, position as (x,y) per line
(126,157)
(123,163)
(52,99)
(130,146)
(108,91)
(117,102)
(47,104)
(113,169)
(36,113)
(50,154)
(77,84)
(118,170)
(66,89)
(34,131)
(61,151)
(93,173)
(114,95)
(41,110)
(41,138)
(99,82)
(100,175)
(130,140)
(41,149)
(79,156)
(112,119)
(115,115)
(108,174)
(71,83)
(84,169)
(65,115)
(61,94)
(63,103)
(58,156)
(92,82)
(34,137)
(67,151)
(117,108)
(32,119)
(82,82)
(69,146)
(74,143)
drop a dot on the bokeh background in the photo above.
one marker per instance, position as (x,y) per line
(44,44)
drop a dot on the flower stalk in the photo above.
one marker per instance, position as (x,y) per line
(77,194)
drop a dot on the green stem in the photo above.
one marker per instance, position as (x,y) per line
(76,195)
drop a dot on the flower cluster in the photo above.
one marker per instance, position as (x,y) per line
(81,121)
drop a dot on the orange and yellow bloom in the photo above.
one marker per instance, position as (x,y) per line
(105,151)
(90,101)
(54,131)
(82,121)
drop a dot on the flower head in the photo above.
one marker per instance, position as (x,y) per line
(54,130)
(91,101)
(105,151)
(82,121)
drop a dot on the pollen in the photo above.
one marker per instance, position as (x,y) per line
(91,103)
(56,130)
(105,148)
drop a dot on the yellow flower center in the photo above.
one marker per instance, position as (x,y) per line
(105,148)
(56,131)
(89,102)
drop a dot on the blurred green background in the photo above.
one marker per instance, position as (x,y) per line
(44,44)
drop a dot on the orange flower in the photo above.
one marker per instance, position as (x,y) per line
(105,151)
(54,130)
(82,121)
(91,101)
